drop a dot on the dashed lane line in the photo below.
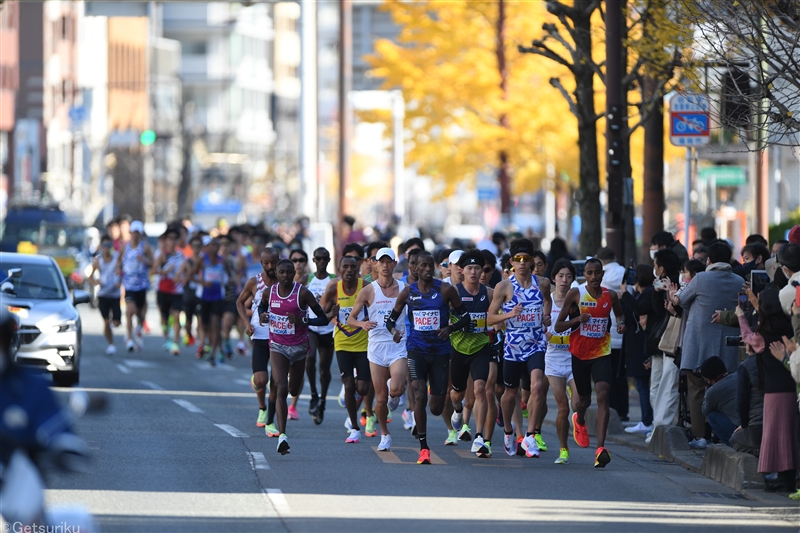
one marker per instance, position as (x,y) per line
(151,385)
(258,461)
(124,369)
(189,406)
(278,501)
(232,431)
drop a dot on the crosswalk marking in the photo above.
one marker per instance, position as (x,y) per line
(278,501)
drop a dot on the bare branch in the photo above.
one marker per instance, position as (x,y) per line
(573,105)
(539,47)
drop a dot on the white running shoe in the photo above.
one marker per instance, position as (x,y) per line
(348,425)
(456,418)
(241,347)
(510,445)
(402,399)
(393,402)
(283,444)
(408,419)
(130,345)
(530,447)
(355,436)
(386,443)
(111,350)
(477,444)
(639,428)
(341,397)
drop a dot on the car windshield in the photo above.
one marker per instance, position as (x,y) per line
(38,282)
(48,234)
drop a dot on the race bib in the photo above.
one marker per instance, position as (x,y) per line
(426,320)
(214,276)
(380,317)
(531,317)
(477,322)
(344,314)
(559,341)
(594,328)
(280,325)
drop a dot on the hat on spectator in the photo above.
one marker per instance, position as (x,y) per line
(794,234)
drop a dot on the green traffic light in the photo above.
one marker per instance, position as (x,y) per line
(147,137)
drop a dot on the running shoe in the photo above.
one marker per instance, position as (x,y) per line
(464,433)
(241,347)
(486,450)
(386,443)
(524,408)
(540,443)
(138,330)
(262,418)
(348,425)
(424,457)
(312,405)
(456,418)
(111,350)
(363,420)
(283,444)
(601,458)
(144,327)
(408,419)
(579,432)
(200,352)
(319,413)
(253,383)
(477,444)
(370,430)
(510,445)
(166,346)
(388,416)
(394,403)
(452,438)
(355,436)
(130,345)
(227,349)
(174,349)
(499,420)
(341,398)
(520,449)
(530,447)
(563,457)
(188,340)
(291,413)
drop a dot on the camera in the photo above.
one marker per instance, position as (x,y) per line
(734,340)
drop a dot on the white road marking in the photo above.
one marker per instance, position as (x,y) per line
(124,369)
(258,461)
(152,385)
(232,431)
(242,381)
(138,363)
(278,501)
(189,406)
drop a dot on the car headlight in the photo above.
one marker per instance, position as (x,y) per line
(69,325)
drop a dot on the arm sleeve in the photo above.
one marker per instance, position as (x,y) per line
(743,396)
(464,320)
(755,340)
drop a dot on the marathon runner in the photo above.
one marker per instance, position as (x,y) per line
(108,294)
(191,302)
(236,266)
(525,301)
(287,313)
(409,278)
(558,360)
(386,354)
(211,275)
(254,291)
(350,343)
(429,302)
(169,296)
(321,338)
(134,264)
(299,258)
(539,269)
(587,312)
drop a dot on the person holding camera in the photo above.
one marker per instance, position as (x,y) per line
(716,288)
(719,403)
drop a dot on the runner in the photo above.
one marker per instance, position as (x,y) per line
(211,274)
(558,360)
(350,343)
(470,355)
(259,336)
(587,312)
(321,338)
(409,278)
(429,302)
(108,294)
(300,260)
(539,269)
(134,263)
(286,311)
(191,302)
(386,354)
(236,266)
(169,296)
(525,302)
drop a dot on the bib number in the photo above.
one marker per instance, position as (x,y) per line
(344,314)
(531,317)
(426,320)
(280,325)
(594,328)
(477,322)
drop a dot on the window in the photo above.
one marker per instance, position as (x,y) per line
(193,48)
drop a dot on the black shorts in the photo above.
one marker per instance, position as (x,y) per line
(230,307)
(209,309)
(321,340)
(584,372)
(348,361)
(168,302)
(191,303)
(462,365)
(430,368)
(516,371)
(109,308)
(137,298)
(260,355)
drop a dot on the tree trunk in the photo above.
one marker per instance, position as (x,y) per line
(503,174)
(653,201)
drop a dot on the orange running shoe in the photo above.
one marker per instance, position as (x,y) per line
(601,458)
(579,432)
(424,457)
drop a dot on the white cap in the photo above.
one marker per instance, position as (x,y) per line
(454,256)
(385,252)
(206,240)
(137,225)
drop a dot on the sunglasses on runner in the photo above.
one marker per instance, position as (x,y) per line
(374,258)
(521,258)
(325,259)
(486,270)
(299,260)
(444,264)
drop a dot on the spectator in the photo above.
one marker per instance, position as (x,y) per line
(750,406)
(716,288)
(708,235)
(664,372)
(754,256)
(772,264)
(777,246)
(779,453)
(558,250)
(613,278)
(700,253)
(664,239)
(756,238)
(634,344)
(719,404)
(789,260)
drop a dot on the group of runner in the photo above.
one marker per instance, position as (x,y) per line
(453,347)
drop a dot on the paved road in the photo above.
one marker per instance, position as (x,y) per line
(178,450)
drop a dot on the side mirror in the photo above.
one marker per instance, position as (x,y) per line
(80,297)
(15,273)
(7,288)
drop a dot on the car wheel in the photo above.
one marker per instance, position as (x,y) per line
(66,379)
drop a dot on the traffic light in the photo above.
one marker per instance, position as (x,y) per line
(147,137)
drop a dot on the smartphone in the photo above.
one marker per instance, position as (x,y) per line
(743,300)
(758,281)
(630,276)
(797,296)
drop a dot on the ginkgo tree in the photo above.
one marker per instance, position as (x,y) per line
(474,103)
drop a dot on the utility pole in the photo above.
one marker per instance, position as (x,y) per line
(615,114)
(504,172)
(345,120)
(308,110)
